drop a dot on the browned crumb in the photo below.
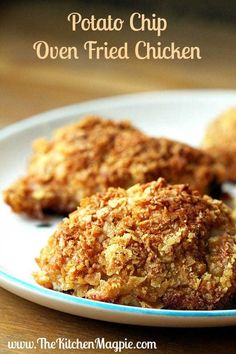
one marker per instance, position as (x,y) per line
(94,154)
(234,209)
(220,141)
(153,245)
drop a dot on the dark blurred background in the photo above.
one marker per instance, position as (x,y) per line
(209,9)
(29,85)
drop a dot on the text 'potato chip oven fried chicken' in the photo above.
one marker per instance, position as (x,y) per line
(153,245)
(94,154)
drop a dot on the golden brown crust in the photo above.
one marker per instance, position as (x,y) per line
(94,154)
(220,141)
(153,245)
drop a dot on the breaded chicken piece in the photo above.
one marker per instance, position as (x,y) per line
(220,141)
(94,154)
(153,245)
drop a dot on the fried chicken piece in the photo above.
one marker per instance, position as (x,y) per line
(220,141)
(153,245)
(94,154)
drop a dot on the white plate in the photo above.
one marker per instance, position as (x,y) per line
(182,115)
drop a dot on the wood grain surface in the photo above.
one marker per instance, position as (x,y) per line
(29,86)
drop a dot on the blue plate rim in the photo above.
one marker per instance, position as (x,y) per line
(109,306)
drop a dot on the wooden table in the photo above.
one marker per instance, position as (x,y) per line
(29,86)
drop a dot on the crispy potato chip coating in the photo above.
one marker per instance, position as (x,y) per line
(153,245)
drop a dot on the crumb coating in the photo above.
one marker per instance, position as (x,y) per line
(153,245)
(220,142)
(88,157)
